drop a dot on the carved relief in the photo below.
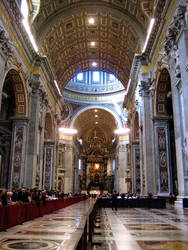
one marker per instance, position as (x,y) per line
(163,166)
(48,167)
(6,47)
(5,44)
(137,170)
(43,100)
(17,162)
(175,28)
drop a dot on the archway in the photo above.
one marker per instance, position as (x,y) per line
(12,129)
(164,123)
(96,130)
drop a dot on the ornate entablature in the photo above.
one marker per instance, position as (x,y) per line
(159,22)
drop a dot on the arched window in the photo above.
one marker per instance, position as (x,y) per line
(96,76)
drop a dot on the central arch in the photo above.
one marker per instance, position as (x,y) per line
(111,111)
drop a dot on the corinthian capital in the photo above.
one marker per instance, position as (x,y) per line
(145,87)
(34,83)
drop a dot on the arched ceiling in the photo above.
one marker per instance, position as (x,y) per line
(86,125)
(64,35)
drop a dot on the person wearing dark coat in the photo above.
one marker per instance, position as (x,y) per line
(15,195)
(23,195)
(114,200)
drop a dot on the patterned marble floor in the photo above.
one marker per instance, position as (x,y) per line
(129,229)
(147,229)
(53,231)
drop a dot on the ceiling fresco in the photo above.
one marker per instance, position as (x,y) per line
(65,36)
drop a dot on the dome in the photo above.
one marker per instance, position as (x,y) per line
(94,86)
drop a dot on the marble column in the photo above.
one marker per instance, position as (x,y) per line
(32,160)
(148,140)
(68,163)
(41,145)
(136,178)
(123,168)
(142,170)
(110,175)
(18,155)
(48,163)
(76,175)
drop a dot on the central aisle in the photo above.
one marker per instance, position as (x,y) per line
(59,230)
(136,229)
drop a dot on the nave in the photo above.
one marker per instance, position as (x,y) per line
(130,229)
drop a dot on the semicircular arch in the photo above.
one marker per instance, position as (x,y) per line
(161,94)
(21,97)
(111,111)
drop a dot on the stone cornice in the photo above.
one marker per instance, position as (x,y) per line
(158,26)
(135,69)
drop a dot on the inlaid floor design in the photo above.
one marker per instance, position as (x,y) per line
(49,232)
(147,229)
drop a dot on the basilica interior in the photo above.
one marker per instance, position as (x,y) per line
(93,101)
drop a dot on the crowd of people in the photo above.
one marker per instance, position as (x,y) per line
(31,195)
(121,196)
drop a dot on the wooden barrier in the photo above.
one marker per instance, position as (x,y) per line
(18,213)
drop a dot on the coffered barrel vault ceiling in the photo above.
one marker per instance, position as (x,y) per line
(64,35)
